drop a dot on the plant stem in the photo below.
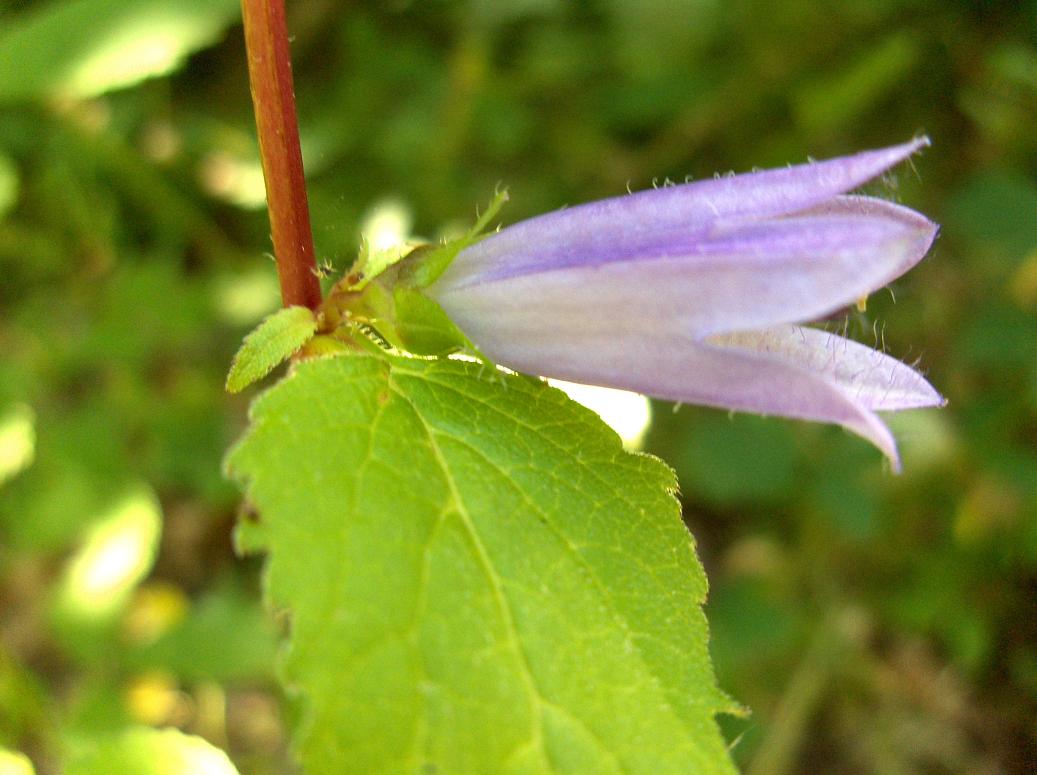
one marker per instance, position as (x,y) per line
(805,690)
(273,96)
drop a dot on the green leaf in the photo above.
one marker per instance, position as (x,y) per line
(82,48)
(423,267)
(145,751)
(480,578)
(275,340)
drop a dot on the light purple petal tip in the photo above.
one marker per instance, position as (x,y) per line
(791,372)
(625,227)
(871,378)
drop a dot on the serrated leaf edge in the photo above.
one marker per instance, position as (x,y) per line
(245,359)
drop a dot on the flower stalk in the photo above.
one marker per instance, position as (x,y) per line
(273,97)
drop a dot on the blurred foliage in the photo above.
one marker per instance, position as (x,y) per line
(872,623)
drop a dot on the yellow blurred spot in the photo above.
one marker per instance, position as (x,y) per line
(862,304)
(210,711)
(233,179)
(161,141)
(992,505)
(247,298)
(386,238)
(628,414)
(17,440)
(190,755)
(14,763)
(756,556)
(387,225)
(1023,285)
(117,552)
(154,698)
(154,610)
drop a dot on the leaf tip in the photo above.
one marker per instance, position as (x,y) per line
(272,342)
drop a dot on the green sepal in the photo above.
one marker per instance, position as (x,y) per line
(385,297)
(423,327)
(372,262)
(423,265)
(426,264)
(410,321)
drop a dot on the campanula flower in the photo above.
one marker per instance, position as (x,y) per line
(697,293)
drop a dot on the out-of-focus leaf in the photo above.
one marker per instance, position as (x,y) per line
(851,509)
(998,336)
(995,212)
(1016,62)
(9,185)
(225,637)
(17,440)
(827,104)
(45,507)
(81,48)
(24,699)
(146,751)
(480,578)
(730,459)
(117,551)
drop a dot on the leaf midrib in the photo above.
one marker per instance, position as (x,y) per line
(571,549)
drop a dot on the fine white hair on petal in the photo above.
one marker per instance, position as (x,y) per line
(692,293)
(871,378)
(613,229)
(617,340)
(809,267)
(679,368)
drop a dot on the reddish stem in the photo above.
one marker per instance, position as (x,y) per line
(273,96)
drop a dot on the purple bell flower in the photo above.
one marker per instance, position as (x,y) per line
(695,293)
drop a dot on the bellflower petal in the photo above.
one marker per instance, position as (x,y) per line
(691,293)
(791,269)
(640,224)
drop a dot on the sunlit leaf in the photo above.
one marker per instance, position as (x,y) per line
(15,763)
(116,553)
(17,440)
(9,185)
(81,48)
(480,578)
(145,751)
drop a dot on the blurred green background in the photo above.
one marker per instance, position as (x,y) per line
(872,623)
